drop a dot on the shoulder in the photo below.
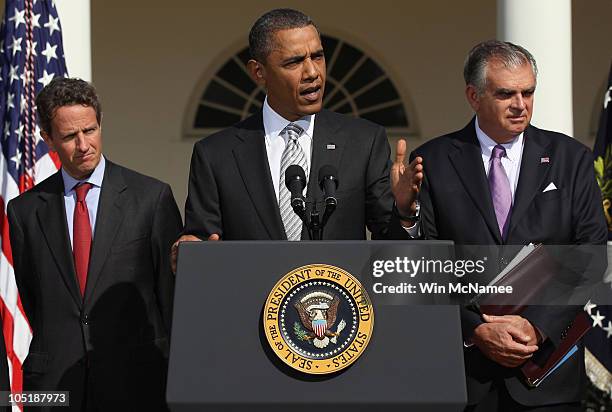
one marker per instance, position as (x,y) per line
(226,138)
(50,186)
(362,126)
(133,179)
(441,145)
(558,142)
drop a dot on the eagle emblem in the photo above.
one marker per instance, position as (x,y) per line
(317,311)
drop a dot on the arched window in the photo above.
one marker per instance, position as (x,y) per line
(356,85)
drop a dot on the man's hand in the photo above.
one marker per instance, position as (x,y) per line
(185,238)
(406,180)
(504,343)
(520,323)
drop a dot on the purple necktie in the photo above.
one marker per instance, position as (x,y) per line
(500,190)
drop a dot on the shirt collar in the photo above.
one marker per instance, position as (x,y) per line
(513,148)
(274,123)
(95,178)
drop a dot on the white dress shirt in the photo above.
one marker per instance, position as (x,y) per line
(511,162)
(92,198)
(274,124)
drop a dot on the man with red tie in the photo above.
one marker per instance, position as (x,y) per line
(90,248)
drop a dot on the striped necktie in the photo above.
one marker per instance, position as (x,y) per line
(500,190)
(292,155)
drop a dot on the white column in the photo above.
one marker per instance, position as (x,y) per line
(75,19)
(544,27)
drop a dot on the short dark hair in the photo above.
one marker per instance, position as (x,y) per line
(509,54)
(260,36)
(65,91)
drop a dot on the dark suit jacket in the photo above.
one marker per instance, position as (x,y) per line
(456,205)
(231,191)
(118,332)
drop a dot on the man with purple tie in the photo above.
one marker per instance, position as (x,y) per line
(502,181)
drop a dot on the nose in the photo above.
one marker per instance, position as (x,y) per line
(518,103)
(82,144)
(311,71)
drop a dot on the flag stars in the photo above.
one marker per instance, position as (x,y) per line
(16,46)
(589,306)
(9,102)
(35,19)
(608,329)
(16,158)
(18,17)
(13,73)
(7,129)
(52,25)
(22,105)
(49,52)
(19,132)
(37,136)
(597,319)
(607,98)
(46,78)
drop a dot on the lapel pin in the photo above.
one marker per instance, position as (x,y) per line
(331,146)
(544,160)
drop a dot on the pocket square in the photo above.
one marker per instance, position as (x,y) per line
(550,187)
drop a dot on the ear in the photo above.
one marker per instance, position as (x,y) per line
(473,97)
(257,72)
(48,140)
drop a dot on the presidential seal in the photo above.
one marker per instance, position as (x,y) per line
(318,319)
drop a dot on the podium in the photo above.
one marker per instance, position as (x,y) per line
(220,359)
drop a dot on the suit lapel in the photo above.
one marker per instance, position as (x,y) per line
(467,161)
(327,147)
(108,221)
(252,162)
(532,174)
(52,221)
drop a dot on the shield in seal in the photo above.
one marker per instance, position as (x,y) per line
(318,319)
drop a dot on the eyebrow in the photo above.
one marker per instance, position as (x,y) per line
(510,91)
(302,57)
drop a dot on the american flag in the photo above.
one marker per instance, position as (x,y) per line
(31,55)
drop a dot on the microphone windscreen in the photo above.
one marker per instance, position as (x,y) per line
(327,171)
(294,172)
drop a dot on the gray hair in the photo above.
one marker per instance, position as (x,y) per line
(509,54)
(261,42)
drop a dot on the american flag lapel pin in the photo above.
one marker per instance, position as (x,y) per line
(331,146)
(544,160)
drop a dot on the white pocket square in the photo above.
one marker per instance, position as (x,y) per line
(550,187)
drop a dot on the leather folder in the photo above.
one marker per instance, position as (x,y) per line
(529,274)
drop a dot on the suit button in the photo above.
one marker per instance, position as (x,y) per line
(85,319)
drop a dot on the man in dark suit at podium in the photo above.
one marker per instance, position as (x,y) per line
(90,249)
(503,181)
(236,183)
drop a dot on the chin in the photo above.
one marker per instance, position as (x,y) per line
(311,108)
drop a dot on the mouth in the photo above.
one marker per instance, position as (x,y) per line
(517,119)
(311,94)
(85,157)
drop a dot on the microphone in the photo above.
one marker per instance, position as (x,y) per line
(328,182)
(295,180)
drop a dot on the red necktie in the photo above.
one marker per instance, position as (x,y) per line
(81,235)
